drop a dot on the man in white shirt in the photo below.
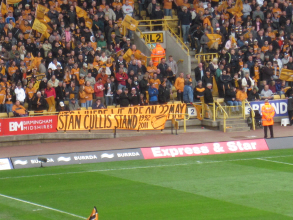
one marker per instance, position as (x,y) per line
(127,9)
(53,64)
(20,93)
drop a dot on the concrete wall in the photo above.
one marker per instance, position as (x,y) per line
(175,49)
(172,48)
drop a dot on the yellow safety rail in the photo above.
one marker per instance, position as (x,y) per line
(178,39)
(206,57)
(251,110)
(225,114)
(186,117)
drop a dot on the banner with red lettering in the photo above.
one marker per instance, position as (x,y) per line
(29,125)
(205,149)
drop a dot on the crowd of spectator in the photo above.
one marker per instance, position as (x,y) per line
(77,64)
(256,45)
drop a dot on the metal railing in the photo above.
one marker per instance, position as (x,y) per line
(224,113)
(178,39)
(206,57)
(244,103)
(165,26)
(176,123)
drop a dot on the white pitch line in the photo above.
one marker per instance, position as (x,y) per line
(143,167)
(42,206)
(273,161)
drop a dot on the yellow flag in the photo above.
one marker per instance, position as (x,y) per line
(233,40)
(45,19)
(223,6)
(89,23)
(130,23)
(44,36)
(39,15)
(11,2)
(127,55)
(239,4)
(286,75)
(3,9)
(215,40)
(215,87)
(80,12)
(237,9)
(42,9)
(39,26)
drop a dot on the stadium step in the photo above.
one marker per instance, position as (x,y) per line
(234,124)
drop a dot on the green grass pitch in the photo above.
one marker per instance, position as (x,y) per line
(256,185)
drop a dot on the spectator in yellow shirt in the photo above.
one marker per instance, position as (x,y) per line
(241,95)
(2,99)
(179,85)
(155,81)
(19,110)
(30,91)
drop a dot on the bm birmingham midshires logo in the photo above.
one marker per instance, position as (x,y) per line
(30,125)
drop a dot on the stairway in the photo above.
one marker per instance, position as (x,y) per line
(234,124)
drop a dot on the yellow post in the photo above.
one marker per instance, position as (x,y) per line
(253,123)
(224,123)
(186,117)
(214,111)
(243,109)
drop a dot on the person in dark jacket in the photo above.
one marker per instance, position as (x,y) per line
(290,108)
(43,84)
(230,98)
(39,103)
(267,72)
(199,72)
(60,92)
(98,104)
(133,97)
(253,96)
(144,85)
(198,92)
(124,99)
(163,66)
(208,96)
(164,93)
(207,78)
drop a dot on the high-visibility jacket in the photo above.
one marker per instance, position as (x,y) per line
(268,113)
(158,53)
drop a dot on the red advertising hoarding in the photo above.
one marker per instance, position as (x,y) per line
(29,125)
(1,127)
(205,149)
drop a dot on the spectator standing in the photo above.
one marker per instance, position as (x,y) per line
(88,89)
(268,113)
(99,90)
(188,93)
(164,93)
(153,95)
(179,85)
(20,93)
(184,19)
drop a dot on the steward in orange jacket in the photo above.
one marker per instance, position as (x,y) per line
(157,54)
(268,113)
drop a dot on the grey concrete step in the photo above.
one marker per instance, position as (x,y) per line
(235,125)
(235,129)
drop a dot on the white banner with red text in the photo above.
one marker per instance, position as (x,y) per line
(205,149)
